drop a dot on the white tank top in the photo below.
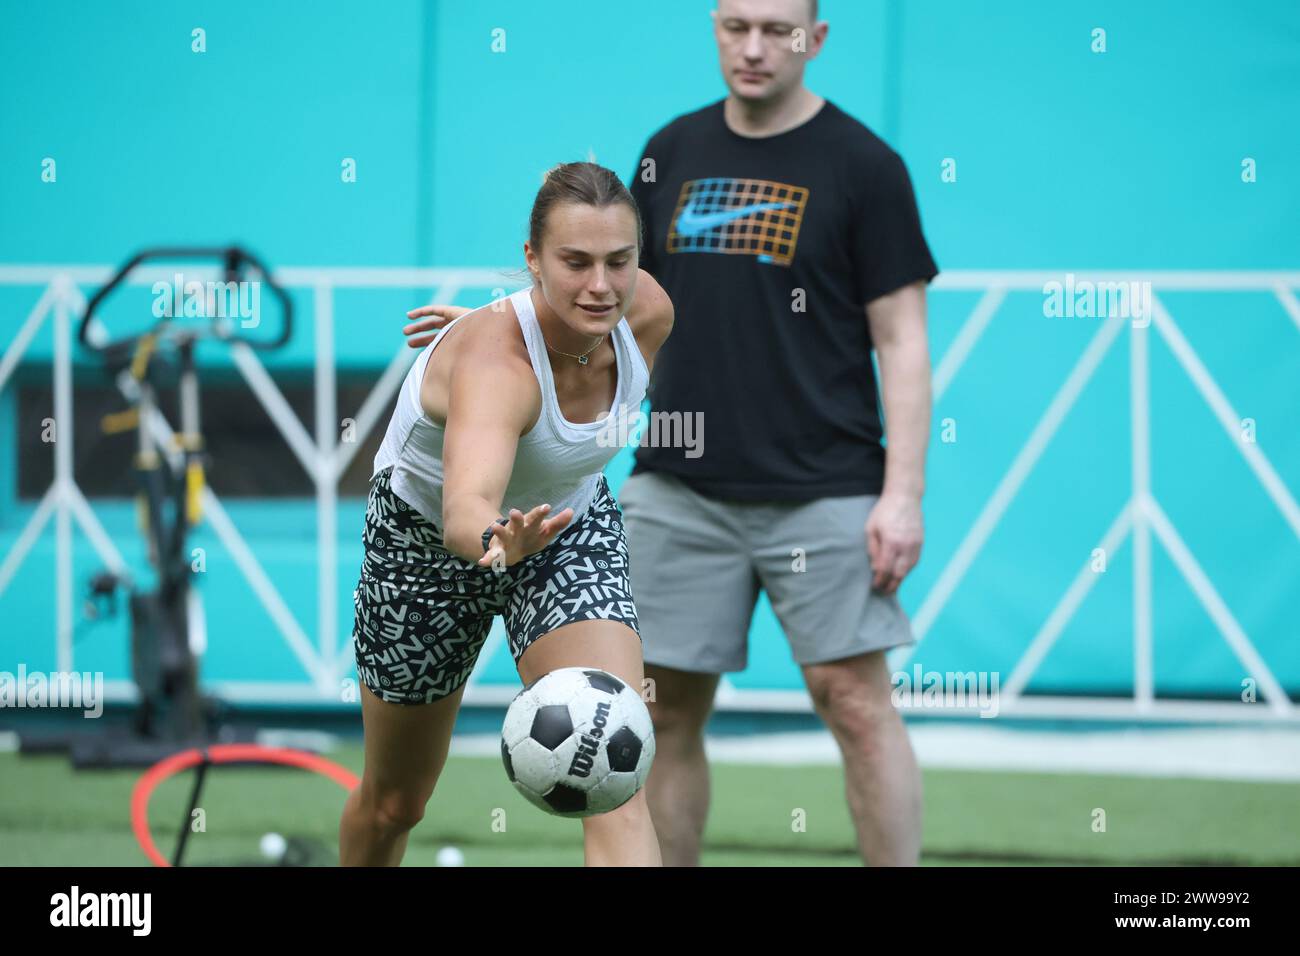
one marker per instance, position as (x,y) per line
(557,461)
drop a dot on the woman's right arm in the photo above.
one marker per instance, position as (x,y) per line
(493,398)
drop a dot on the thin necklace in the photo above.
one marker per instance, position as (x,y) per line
(582,359)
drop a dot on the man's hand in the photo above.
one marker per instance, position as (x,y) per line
(433,318)
(525,534)
(895,533)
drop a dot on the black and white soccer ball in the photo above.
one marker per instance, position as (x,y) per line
(578,742)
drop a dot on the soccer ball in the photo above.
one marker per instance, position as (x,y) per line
(578,742)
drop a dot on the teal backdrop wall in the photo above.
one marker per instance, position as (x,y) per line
(1066,159)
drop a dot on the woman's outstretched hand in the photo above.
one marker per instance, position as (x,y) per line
(525,534)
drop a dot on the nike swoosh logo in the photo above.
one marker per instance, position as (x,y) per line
(692,223)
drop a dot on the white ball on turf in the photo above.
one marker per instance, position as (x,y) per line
(578,742)
(273,846)
(450,856)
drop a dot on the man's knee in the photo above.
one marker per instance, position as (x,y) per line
(852,696)
(679,701)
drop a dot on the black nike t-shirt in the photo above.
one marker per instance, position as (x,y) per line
(770,248)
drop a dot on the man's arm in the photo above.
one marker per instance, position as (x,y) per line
(895,530)
(429,319)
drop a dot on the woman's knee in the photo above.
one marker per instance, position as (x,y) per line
(395,808)
(631,815)
(406,751)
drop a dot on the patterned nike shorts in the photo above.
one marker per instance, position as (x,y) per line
(422,613)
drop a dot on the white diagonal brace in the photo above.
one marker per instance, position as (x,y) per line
(1066,607)
(1273,485)
(1214,605)
(1007,488)
(967,336)
(247,562)
(376,404)
(26,332)
(266,592)
(1289,302)
(94,531)
(276,406)
(31,531)
(381,396)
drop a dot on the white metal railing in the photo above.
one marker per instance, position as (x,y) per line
(325,662)
(1140,516)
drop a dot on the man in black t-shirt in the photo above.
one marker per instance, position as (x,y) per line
(787,236)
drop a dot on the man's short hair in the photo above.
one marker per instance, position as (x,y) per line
(812,9)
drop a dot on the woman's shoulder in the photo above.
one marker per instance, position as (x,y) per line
(492,335)
(486,363)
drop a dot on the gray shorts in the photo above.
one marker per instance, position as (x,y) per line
(697,564)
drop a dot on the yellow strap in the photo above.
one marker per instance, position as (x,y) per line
(117,422)
(194,492)
(143,352)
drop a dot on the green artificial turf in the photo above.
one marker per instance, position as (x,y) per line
(53,816)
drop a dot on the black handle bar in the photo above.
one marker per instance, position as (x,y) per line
(235,261)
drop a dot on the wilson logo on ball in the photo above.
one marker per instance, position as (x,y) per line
(588,744)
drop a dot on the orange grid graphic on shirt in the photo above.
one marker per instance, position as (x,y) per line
(755,217)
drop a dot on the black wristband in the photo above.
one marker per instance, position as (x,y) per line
(487,535)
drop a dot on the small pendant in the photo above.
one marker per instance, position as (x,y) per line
(582,360)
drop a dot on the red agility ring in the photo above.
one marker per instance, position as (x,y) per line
(220,753)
